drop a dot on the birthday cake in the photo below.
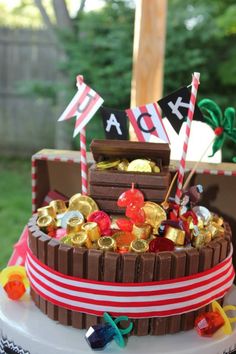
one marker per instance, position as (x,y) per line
(160,265)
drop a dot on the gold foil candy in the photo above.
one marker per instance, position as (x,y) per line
(154,213)
(139,165)
(84,204)
(123,240)
(203,214)
(46,223)
(156,169)
(74,225)
(139,246)
(107,243)
(218,220)
(104,165)
(175,235)
(47,210)
(66,240)
(215,230)
(123,165)
(142,231)
(59,206)
(92,230)
(81,239)
(201,239)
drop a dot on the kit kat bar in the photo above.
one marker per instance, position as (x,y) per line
(111,266)
(158,325)
(52,262)
(146,273)
(42,256)
(33,246)
(65,267)
(205,262)
(192,265)
(178,264)
(94,272)
(79,270)
(224,248)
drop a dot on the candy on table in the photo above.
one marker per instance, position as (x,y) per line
(209,323)
(14,281)
(98,336)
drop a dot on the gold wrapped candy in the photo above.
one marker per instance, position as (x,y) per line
(66,240)
(86,205)
(46,223)
(201,239)
(81,239)
(142,231)
(74,225)
(215,229)
(175,235)
(137,165)
(155,214)
(59,206)
(47,210)
(106,243)
(139,246)
(92,230)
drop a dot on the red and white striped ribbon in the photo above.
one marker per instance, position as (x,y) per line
(136,300)
(193,97)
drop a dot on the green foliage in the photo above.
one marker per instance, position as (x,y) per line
(200,37)
(14,203)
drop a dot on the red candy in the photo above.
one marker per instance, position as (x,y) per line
(131,196)
(135,213)
(160,244)
(15,288)
(102,219)
(208,323)
(125,224)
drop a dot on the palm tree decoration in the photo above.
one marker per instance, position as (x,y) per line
(222,124)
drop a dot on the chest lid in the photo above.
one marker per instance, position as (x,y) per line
(107,149)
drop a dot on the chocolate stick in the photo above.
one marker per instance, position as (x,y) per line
(178,262)
(94,271)
(192,264)
(147,263)
(64,266)
(42,256)
(158,325)
(52,262)
(79,270)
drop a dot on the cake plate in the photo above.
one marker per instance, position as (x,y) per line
(24,329)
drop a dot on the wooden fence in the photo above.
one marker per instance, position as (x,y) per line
(27,124)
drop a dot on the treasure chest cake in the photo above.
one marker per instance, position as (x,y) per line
(157,265)
(120,163)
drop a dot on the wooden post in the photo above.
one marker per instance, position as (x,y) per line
(148,52)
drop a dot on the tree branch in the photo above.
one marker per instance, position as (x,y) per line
(62,15)
(46,20)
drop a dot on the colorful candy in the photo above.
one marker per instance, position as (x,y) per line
(14,281)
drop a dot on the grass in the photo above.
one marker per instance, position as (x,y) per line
(15,203)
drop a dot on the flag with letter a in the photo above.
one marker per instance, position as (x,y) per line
(83,105)
(115,123)
(147,122)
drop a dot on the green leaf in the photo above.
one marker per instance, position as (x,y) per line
(218,143)
(229,118)
(213,110)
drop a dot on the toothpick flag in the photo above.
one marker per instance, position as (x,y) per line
(147,121)
(175,108)
(115,123)
(83,105)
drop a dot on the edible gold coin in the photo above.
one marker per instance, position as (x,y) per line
(156,169)
(104,165)
(139,165)
(154,214)
(123,165)
(86,205)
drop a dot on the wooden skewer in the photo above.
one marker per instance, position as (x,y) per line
(165,204)
(196,166)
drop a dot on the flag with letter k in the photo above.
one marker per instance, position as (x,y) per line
(147,122)
(83,105)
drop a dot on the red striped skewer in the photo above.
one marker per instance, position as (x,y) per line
(195,84)
(84,175)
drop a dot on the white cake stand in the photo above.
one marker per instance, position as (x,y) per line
(24,324)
